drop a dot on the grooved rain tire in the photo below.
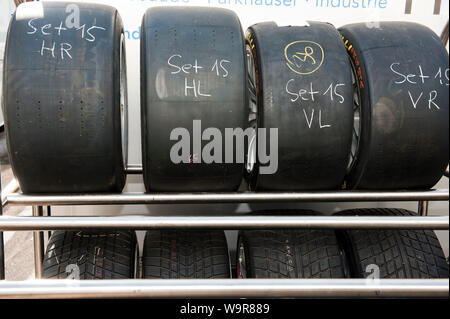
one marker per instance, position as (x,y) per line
(401,145)
(63,108)
(314,130)
(291,254)
(185,254)
(190,36)
(91,255)
(397,253)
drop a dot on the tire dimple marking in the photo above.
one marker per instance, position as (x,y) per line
(39,115)
(18,114)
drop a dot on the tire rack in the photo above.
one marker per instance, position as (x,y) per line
(242,288)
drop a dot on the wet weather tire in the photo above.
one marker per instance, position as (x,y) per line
(91,255)
(192,69)
(404,105)
(303,88)
(185,254)
(63,98)
(290,254)
(396,253)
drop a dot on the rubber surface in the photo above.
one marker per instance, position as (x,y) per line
(292,254)
(304,89)
(183,48)
(396,253)
(185,254)
(404,139)
(90,255)
(61,92)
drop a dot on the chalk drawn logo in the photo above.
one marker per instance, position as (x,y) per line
(304,57)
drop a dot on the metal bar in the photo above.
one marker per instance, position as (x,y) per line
(237,288)
(423,208)
(38,240)
(198,198)
(134,169)
(446,173)
(12,187)
(408,6)
(14,223)
(437,7)
(49,213)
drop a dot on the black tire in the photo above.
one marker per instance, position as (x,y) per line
(63,108)
(397,253)
(314,137)
(403,138)
(91,255)
(290,254)
(178,36)
(185,254)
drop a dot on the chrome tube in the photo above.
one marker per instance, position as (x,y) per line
(196,198)
(225,288)
(13,223)
(423,208)
(133,169)
(38,241)
(12,187)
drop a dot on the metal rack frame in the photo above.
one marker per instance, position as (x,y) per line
(218,288)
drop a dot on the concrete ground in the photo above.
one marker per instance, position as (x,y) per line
(19,258)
